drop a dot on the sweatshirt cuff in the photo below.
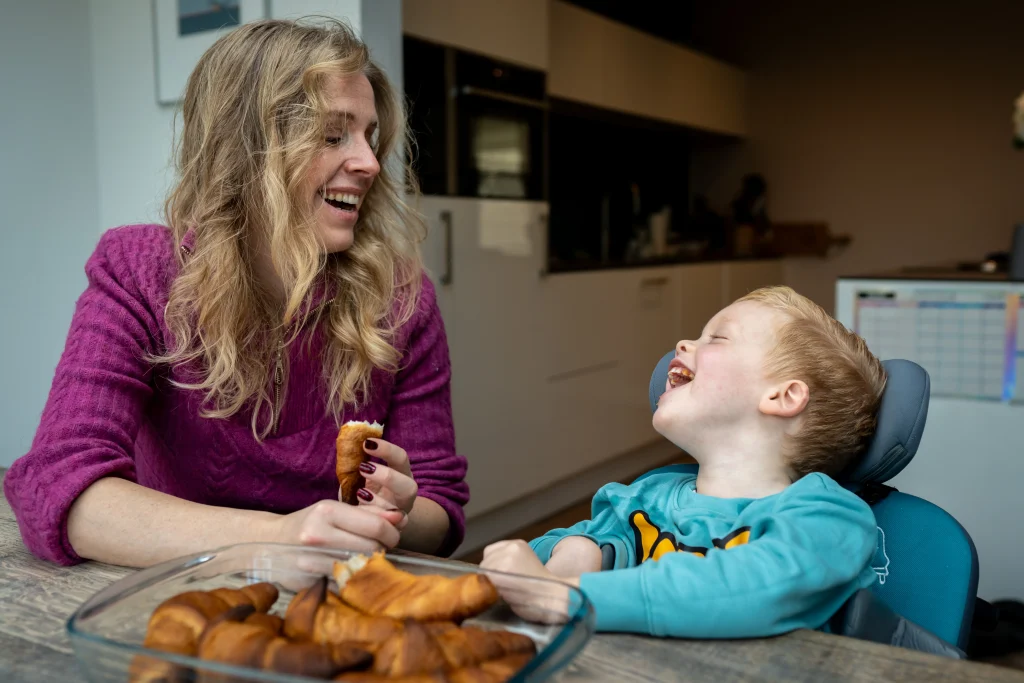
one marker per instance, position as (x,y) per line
(618,599)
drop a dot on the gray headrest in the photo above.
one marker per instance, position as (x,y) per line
(901,419)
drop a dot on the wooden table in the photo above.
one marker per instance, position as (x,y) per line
(36,598)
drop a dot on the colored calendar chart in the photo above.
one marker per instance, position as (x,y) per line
(970,342)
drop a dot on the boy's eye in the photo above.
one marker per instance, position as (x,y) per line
(716,336)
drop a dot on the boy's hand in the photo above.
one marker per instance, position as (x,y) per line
(540,601)
(574,555)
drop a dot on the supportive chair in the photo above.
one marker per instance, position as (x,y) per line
(926,563)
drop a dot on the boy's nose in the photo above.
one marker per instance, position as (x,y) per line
(684,346)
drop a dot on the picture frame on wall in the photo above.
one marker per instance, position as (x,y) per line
(185,29)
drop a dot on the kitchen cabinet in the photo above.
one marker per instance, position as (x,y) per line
(603,63)
(513,30)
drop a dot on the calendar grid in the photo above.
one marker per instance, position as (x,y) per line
(968,343)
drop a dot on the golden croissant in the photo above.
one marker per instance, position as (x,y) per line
(233,639)
(177,623)
(318,615)
(350,454)
(381,589)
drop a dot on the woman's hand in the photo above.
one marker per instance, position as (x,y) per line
(538,601)
(389,487)
(331,524)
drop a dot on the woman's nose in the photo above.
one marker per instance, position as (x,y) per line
(363,160)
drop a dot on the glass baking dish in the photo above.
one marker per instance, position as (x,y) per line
(107,631)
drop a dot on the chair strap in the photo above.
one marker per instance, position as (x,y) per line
(873,492)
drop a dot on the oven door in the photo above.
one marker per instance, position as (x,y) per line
(501,144)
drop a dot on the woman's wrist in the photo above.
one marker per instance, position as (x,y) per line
(427,528)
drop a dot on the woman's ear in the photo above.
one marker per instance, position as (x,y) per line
(785,399)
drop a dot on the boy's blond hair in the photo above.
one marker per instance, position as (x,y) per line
(844,379)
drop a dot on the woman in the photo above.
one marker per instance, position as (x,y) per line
(209,365)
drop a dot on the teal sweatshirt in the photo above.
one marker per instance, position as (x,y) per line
(695,566)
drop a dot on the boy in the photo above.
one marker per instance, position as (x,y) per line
(773,399)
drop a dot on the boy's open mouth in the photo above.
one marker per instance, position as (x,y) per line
(679,375)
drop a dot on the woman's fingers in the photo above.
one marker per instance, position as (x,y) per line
(339,525)
(393,455)
(385,509)
(402,487)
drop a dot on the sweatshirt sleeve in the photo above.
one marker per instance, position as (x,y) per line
(420,417)
(93,412)
(604,528)
(798,568)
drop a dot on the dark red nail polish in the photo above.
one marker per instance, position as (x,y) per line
(364,495)
(367,467)
(371,445)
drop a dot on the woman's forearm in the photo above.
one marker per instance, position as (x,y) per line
(120,522)
(427,527)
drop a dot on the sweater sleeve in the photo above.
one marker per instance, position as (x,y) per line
(93,412)
(420,417)
(798,568)
(604,528)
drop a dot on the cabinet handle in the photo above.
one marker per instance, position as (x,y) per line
(654,281)
(447,277)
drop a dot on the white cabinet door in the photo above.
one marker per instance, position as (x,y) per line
(493,253)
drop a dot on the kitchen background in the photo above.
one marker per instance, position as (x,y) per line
(599,178)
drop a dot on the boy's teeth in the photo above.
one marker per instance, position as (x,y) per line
(676,376)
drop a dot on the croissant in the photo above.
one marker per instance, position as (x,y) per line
(469,646)
(369,677)
(379,588)
(177,623)
(350,453)
(317,614)
(413,651)
(493,671)
(232,639)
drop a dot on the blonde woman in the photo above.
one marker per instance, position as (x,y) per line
(210,363)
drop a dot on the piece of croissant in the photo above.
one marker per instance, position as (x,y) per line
(232,639)
(339,623)
(370,677)
(175,626)
(350,455)
(469,646)
(493,671)
(380,588)
(271,622)
(317,614)
(411,651)
(262,596)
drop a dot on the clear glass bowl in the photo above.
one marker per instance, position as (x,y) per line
(107,631)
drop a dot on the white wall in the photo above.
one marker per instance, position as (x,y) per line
(48,200)
(85,147)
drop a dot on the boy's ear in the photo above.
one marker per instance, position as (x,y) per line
(785,399)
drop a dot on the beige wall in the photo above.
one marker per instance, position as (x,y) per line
(892,124)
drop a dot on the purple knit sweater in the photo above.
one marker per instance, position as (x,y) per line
(110,413)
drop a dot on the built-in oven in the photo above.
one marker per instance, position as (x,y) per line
(480,124)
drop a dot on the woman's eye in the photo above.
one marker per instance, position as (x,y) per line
(334,141)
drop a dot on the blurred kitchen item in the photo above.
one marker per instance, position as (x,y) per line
(805,239)
(659,231)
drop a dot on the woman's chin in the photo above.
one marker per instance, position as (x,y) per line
(337,239)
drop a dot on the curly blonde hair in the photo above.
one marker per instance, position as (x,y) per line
(254,117)
(845,381)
